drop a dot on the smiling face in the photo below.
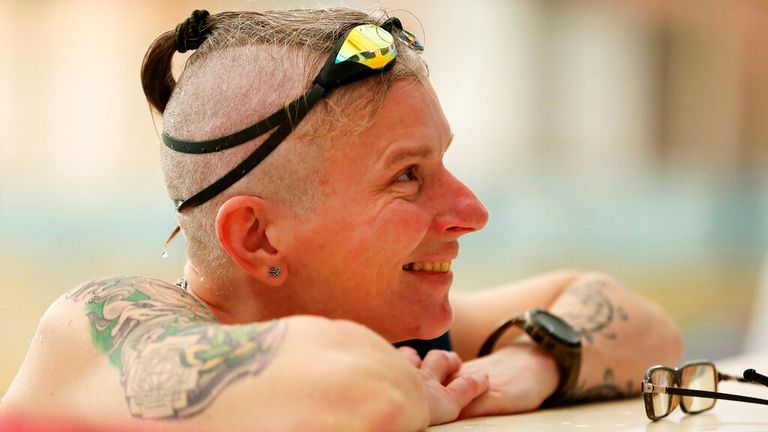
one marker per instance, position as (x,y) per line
(378,247)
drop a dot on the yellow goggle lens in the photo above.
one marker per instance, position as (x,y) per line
(368,44)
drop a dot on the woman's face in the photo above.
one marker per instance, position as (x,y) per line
(377,247)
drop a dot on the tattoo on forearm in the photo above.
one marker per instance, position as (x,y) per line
(597,317)
(608,389)
(173,357)
(598,312)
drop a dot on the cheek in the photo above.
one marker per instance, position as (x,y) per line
(408,217)
(401,226)
(373,240)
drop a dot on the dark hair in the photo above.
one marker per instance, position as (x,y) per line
(156,69)
(156,73)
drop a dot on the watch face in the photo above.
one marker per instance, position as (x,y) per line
(556,327)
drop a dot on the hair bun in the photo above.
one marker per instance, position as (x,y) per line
(193,31)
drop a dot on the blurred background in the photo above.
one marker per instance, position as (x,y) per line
(626,136)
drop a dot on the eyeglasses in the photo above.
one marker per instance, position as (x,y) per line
(361,52)
(693,386)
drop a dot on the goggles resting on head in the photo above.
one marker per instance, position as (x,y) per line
(361,52)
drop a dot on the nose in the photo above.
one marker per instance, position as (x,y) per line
(460,212)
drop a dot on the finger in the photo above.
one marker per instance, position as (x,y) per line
(441,363)
(495,402)
(465,389)
(410,355)
(485,404)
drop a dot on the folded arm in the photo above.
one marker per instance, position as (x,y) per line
(622,335)
(127,351)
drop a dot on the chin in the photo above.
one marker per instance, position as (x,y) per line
(430,324)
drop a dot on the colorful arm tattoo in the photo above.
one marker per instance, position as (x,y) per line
(173,357)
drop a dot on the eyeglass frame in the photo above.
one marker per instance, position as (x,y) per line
(648,388)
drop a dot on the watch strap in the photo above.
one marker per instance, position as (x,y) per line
(567,358)
(491,340)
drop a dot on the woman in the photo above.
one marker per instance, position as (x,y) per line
(303,150)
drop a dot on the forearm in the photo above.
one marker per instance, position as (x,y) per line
(622,335)
(380,389)
(333,375)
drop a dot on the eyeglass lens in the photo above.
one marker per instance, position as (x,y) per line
(663,403)
(698,377)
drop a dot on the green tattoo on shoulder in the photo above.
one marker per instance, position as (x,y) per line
(173,357)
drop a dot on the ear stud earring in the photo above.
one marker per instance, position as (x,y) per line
(273,271)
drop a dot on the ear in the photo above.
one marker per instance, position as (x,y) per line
(241,226)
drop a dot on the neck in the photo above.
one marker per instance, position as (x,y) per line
(240,300)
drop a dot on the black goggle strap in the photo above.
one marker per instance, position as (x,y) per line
(391,23)
(278,118)
(292,115)
(330,76)
(225,142)
(395,28)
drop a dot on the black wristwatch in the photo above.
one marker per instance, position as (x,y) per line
(556,336)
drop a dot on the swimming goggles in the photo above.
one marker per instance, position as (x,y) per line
(361,52)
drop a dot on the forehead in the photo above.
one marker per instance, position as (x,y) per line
(409,115)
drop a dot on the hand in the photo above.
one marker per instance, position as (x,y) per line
(522,376)
(446,398)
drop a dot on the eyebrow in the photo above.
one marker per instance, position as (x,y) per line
(421,151)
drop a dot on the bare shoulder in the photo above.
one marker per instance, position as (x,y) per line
(126,286)
(134,347)
(124,296)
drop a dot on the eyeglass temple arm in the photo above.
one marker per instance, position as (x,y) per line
(727,377)
(653,388)
(751,376)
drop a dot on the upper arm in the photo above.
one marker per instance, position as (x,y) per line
(99,342)
(59,359)
(478,314)
(138,348)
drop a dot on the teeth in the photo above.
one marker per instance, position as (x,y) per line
(436,267)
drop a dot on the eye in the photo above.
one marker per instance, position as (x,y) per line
(409,174)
